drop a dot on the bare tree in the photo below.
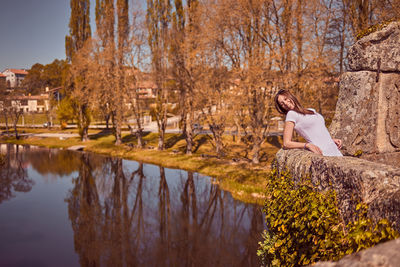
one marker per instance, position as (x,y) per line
(6,113)
(15,111)
(158,24)
(136,77)
(81,90)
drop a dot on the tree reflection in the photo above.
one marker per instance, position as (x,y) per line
(104,232)
(85,213)
(131,222)
(137,211)
(13,173)
(164,213)
(48,161)
(189,223)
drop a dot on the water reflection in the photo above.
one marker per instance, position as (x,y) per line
(125,213)
(13,174)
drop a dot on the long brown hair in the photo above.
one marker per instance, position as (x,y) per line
(297,106)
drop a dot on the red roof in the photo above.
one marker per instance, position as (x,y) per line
(2,75)
(19,71)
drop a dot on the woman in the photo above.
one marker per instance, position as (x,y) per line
(308,123)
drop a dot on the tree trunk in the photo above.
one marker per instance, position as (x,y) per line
(189,139)
(162,125)
(139,131)
(15,130)
(161,136)
(85,134)
(184,124)
(118,139)
(107,121)
(217,132)
(6,119)
(189,133)
(219,148)
(139,137)
(255,152)
(118,126)
(17,114)
(83,123)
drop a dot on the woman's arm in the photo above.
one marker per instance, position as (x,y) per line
(289,144)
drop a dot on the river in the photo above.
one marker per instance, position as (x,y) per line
(68,208)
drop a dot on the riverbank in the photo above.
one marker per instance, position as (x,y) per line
(246,181)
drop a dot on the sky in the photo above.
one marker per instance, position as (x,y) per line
(33,31)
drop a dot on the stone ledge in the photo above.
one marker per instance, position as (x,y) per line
(353,179)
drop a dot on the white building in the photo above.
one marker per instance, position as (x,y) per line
(37,103)
(14,77)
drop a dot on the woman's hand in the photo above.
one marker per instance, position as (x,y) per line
(313,148)
(338,142)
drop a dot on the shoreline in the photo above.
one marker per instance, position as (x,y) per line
(245,181)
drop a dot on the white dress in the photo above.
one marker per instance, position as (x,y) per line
(312,128)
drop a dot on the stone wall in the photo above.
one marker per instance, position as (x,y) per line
(353,179)
(383,255)
(367,116)
(367,119)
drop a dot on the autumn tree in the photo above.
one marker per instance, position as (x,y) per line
(34,81)
(82,77)
(184,50)
(158,21)
(177,59)
(120,86)
(135,77)
(80,32)
(213,97)
(41,76)
(15,112)
(79,27)
(118,55)
(251,88)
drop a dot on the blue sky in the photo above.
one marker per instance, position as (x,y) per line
(32,31)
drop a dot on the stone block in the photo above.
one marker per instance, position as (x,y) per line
(367,116)
(356,112)
(379,50)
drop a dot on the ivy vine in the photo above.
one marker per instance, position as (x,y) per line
(304,225)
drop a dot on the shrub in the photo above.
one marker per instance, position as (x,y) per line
(63,125)
(304,226)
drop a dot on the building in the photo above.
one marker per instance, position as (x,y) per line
(14,77)
(36,103)
(147,90)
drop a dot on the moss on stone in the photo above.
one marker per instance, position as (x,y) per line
(374,28)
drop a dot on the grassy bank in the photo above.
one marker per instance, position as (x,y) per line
(246,181)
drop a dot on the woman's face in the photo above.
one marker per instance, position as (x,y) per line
(285,102)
